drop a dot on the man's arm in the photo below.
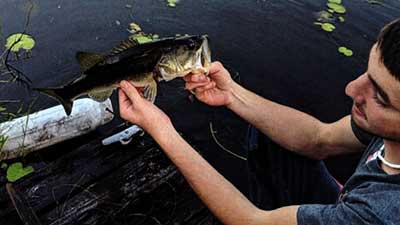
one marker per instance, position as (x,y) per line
(293,129)
(220,196)
(290,128)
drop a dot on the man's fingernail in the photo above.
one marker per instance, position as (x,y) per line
(124,84)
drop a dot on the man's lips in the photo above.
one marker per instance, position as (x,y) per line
(358,111)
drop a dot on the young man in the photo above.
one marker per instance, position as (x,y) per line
(281,177)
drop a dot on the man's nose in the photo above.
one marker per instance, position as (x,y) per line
(357,88)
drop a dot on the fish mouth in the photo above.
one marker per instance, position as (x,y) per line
(192,56)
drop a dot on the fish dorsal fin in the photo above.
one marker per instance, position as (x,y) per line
(123,46)
(88,60)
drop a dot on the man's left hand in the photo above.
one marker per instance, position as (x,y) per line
(137,110)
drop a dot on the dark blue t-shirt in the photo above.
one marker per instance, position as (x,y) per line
(370,196)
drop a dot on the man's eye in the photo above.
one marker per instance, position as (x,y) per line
(380,100)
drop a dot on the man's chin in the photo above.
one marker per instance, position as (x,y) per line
(360,121)
(363,124)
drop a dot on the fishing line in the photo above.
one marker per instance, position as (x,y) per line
(221,146)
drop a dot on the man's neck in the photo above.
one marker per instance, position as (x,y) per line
(392,155)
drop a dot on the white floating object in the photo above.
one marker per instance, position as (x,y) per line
(50,126)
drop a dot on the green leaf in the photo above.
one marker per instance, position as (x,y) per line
(15,171)
(327,27)
(172,3)
(341,19)
(342,49)
(155,36)
(336,7)
(348,52)
(18,41)
(3,140)
(2,109)
(325,16)
(345,51)
(335,1)
(141,39)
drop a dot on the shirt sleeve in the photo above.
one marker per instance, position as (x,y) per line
(362,135)
(342,213)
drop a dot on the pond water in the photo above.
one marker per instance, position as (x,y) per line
(270,47)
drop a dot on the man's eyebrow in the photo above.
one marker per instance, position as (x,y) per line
(378,88)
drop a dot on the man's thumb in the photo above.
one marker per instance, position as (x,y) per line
(129,90)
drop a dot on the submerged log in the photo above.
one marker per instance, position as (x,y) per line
(96,184)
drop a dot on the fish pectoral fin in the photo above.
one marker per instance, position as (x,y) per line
(100,96)
(150,91)
(88,60)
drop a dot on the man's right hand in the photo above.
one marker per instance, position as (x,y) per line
(214,89)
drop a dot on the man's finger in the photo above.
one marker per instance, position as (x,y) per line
(210,85)
(195,77)
(215,67)
(122,96)
(129,90)
(192,85)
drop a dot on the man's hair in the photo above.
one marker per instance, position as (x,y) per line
(389,46)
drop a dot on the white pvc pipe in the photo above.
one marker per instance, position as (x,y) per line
(50,126)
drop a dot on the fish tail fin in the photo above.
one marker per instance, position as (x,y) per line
(57,94)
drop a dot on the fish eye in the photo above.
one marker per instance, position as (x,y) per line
(192,44)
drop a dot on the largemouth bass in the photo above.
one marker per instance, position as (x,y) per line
(143,64)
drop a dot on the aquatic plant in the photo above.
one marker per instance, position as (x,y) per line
(345,51)
(337,8)
(326,26)
(18,41)
(3,140)
(142,38)
(16,170)
(324,16)
(172,3)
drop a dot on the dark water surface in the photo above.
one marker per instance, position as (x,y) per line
(270,47)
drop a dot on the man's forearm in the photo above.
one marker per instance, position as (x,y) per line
(220,196)
(286,126)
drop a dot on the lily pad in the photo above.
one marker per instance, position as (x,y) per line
(172,3)
(324,16)
(155,36)
(4,165)
(326,26)
(336,7)
(335,1)
(18,41)
(345,51)
(15,171)
(141,39)
(341,19)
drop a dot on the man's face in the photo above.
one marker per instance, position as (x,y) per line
(376,97)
